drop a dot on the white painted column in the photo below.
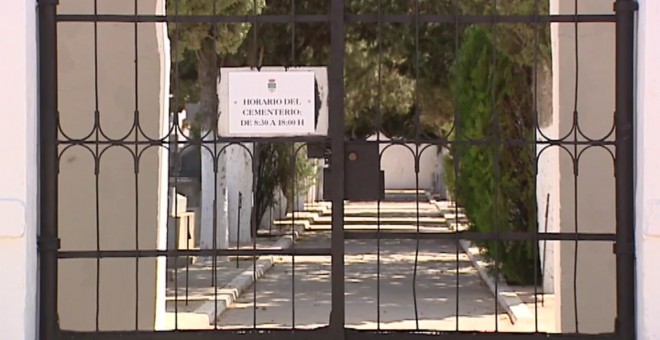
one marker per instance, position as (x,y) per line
(648,163)
(18,170)
(586,202)
(239,180)
(132,205)
(214,197)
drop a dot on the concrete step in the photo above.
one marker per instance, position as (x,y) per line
(384,220)
(394,213)
(383,228)
(303,215)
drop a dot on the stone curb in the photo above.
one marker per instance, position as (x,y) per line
(228,294)
(507,298)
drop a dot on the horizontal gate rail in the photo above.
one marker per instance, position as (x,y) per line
(314,334)
(350,18)
(475,236)
(142,253)
(429,141)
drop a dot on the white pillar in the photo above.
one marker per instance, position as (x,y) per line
(132,208)
(18,173)
(239,180)
(214,196)
(648,163)
(586,204)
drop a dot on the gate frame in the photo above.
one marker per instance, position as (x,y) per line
(49,243)
(48,240)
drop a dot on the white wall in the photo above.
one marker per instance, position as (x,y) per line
(547,202)
(120,285)
(547,178)
(586,203)
(239,180)
(214,197)
(18,172)
(163,40)
(648,163)
(398,162)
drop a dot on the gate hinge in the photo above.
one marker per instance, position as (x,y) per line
(623,248)
(49,244)
(627,6)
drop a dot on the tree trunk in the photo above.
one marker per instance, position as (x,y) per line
(289,203)
(287,192)
(207,78)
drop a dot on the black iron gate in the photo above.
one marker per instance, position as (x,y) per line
(339,147)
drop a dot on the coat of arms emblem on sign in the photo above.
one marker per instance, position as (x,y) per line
(272,85)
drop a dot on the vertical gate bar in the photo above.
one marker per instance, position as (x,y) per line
(336,99)
(416,264)
(254,239)
(238,228)
(378,246)
(379,128)
(49,243)
(97,166)
(213,131)
(455,159)
(294,154)
(418,113)
(255,63)
(625,199)
(136,127)
(497,159)
(535,159)
(175,44)
(416,165)
(188,237)
(576,166)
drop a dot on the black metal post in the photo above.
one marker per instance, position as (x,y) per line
(48,236)
(188,238)
(625,198)
(545,245)
(270,223)
(238,227)
(336,117)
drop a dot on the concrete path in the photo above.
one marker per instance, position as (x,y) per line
(192,298)
(309,299)
(298,292)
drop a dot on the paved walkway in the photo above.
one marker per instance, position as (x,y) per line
(386,285)
(192,285)
(435,288)
(298,292)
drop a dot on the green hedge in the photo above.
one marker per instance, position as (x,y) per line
(495,181)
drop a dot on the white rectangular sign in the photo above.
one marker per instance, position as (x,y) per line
(271,103)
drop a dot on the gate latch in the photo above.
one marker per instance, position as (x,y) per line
(363,179)
(48,244)
(623,248)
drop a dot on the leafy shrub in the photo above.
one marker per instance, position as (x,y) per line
(495,182)
(275,168)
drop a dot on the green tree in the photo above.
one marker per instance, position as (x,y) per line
(277,169)
(204,45)
(414,64)
(495,180)
(198,49)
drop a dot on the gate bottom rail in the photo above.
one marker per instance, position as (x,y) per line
(322,333)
